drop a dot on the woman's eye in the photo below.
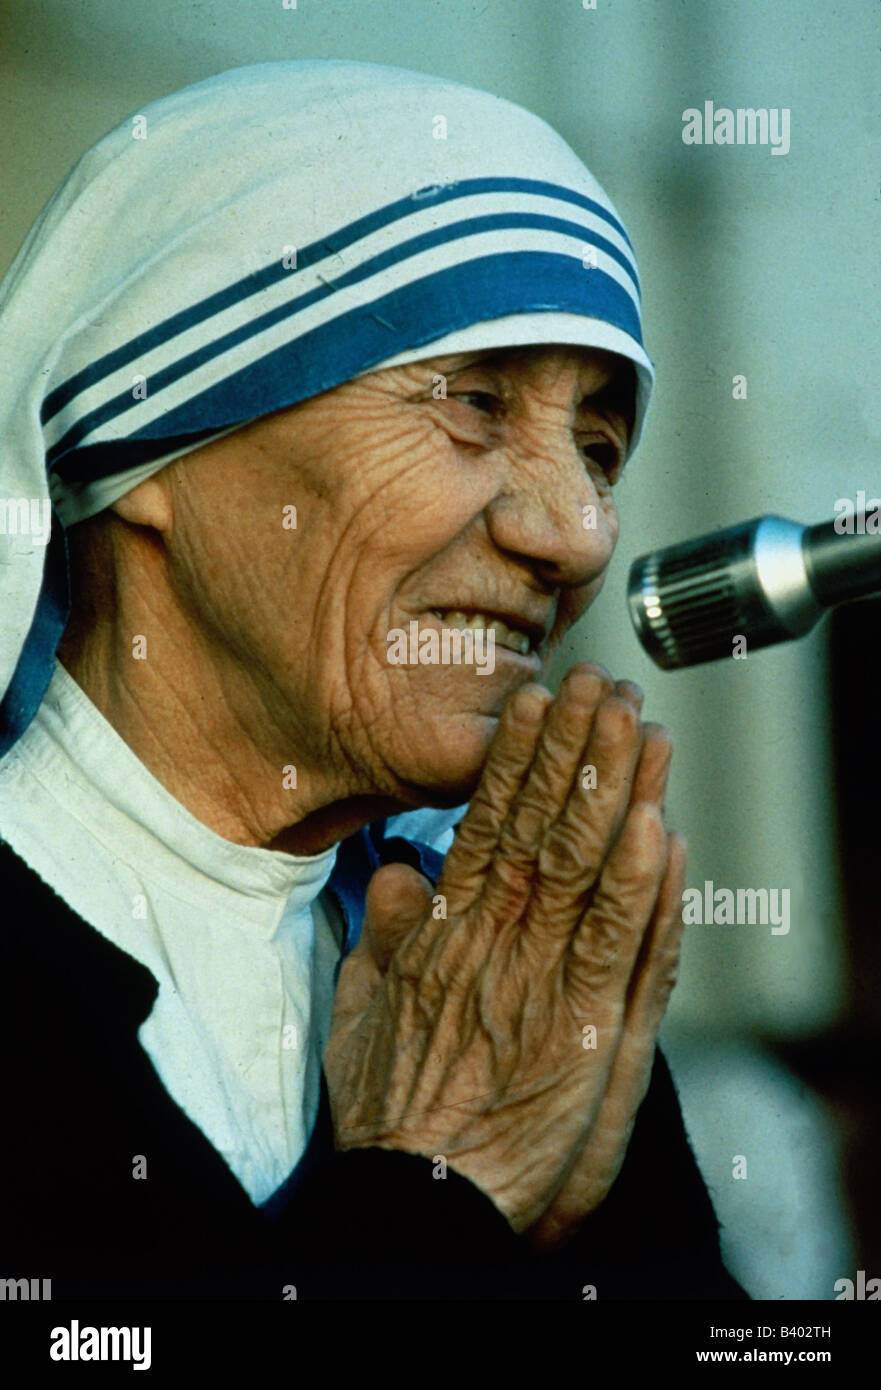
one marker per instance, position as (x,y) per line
(606,455)
(482,400)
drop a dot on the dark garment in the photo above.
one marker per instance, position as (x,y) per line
(82,1102)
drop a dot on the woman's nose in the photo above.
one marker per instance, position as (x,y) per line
(558,518)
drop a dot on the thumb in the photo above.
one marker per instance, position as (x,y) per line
(398,899)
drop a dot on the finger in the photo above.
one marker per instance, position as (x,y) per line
(399,899)
(629,690)
(650,780)
(544,792)
(578,841)
(655,970)
(653,978)
(508,762)
(360,977)
(652,981)
(653,768)
(603,950)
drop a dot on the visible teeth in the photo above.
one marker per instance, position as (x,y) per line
(506,636)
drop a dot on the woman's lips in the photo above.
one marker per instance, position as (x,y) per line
(507,642)
(510,638)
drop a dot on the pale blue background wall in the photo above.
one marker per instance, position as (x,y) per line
(751,263)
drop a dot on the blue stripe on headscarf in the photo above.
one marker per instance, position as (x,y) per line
(318,251)
(33,673)
(486,288)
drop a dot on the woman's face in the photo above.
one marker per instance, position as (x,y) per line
(479,484)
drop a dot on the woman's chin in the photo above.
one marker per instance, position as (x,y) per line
(446,759)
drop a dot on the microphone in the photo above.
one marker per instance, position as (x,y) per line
(767,580)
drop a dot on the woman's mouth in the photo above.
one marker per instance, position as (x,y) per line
(513,639)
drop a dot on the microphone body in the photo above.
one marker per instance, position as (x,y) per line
(767,580)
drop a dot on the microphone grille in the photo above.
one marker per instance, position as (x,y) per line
(686,603)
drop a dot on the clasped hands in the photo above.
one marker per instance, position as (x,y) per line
(516,1035)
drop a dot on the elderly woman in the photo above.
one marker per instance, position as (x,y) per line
(306,357)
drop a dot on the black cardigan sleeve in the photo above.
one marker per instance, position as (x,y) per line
(377,1223)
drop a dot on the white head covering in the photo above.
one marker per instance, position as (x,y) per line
(249,242)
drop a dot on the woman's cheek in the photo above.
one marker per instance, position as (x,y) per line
(453,481)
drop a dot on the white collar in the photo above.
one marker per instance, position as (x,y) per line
(80,758)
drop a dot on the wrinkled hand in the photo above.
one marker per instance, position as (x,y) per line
(466,1036)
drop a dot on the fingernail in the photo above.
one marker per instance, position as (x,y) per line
(528,705)
(633,689)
